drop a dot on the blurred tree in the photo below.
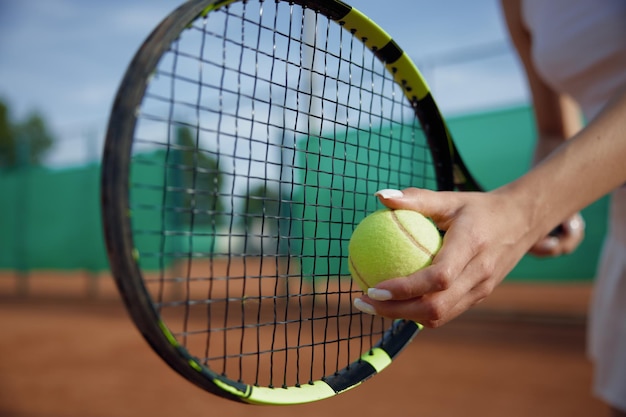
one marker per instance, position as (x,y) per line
(262,213)
(262,201)
(22,143)
(201,177)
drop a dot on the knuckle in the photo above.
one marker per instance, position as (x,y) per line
(483,290)
(435,310)
(405,289)
(485,267)
(441,279)
(477,241)
(435,324)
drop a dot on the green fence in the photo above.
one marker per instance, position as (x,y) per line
(362,162)
(497,147)
(51,218)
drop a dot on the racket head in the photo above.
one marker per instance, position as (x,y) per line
(244,145)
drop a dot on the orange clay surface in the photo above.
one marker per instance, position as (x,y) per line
(68,349)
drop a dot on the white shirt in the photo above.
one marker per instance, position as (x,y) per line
(579,47)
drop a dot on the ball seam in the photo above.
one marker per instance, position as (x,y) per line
(357,273)
(404,230)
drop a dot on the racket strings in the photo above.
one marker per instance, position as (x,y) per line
(261,139)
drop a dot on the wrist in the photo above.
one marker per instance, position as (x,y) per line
(530,208)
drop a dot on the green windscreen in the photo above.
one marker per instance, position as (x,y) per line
(50,218)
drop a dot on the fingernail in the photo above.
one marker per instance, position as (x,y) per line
(378,295)
(364,307)
(389,193)
(576,223)
(549,243)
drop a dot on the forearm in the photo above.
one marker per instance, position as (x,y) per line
(579,172)
(558,119)
(488,233)
(545,145)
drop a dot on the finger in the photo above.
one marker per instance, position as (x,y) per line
(436,309)
(429,311)
(548,246)
(571,233)
(455,254)
(574,229)
(436,205)
(434,278)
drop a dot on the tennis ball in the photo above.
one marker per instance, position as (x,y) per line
(390,244)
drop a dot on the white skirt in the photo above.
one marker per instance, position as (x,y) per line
(607,316)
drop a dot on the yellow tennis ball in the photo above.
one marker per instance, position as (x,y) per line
(389,244)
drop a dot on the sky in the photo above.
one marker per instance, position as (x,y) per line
(65,58)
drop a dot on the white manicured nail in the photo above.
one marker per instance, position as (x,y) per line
(364,307)
(576,223)
(378,295)
(549,243)
(389,193)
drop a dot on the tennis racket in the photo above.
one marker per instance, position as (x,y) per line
(244,145)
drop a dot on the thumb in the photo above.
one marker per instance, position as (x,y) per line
(438,205)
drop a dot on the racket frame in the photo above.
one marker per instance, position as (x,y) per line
(450,169)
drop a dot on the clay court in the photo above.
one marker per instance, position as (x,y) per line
(69,350)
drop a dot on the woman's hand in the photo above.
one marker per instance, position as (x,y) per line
(564,240)
(486,235)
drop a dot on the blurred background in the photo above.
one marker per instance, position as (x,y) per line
(67,347)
